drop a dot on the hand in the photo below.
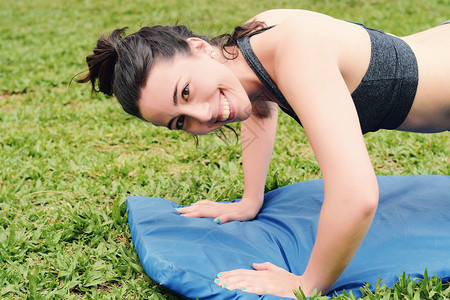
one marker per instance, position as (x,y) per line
(265,279)
(244,210)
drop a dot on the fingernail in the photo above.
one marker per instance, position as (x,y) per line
(225,285)
(244,288)
(217,220)
(217,280)
(220,274)
(182,215)
(177,208)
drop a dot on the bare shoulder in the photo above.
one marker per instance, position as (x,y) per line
(312,38)
(306,24)
(320,39)
(300,31)
(278,16)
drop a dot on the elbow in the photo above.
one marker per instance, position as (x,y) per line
(364,204)
(356,203)
(368,205)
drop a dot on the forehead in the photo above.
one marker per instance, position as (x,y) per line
(157,95)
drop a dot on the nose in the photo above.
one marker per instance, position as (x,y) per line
(202,112)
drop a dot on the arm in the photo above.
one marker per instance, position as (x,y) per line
(306,61)
(312,81)
(257,138)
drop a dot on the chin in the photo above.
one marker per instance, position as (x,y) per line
(247,113)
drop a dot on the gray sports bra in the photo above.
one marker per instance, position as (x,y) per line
(386,93)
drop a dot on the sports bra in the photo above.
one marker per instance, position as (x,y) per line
(384,96)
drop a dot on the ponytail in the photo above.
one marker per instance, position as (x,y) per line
(120,66)
(102,63)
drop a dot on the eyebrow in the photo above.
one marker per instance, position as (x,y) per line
(175,102)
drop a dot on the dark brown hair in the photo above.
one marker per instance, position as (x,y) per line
(120,65)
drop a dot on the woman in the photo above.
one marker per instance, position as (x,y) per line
(338,79)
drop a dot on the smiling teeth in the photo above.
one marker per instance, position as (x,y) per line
(226,110)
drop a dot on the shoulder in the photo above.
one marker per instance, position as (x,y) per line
(299,33)
(303,42)
(292,24)
(300,28)
(279,16)
(312,38)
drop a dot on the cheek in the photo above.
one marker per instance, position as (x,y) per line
(201,130)
(219,74)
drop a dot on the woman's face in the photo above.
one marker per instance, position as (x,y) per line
(194,93)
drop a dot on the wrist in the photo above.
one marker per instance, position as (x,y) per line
(306,287)
(251,206)
(253,197)
(252,201)
(310,282)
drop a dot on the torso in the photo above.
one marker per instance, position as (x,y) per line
(352,47)
(383,94)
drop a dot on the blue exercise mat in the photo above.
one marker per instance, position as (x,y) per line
(410,233)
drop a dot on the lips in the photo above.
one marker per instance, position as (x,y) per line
(226,110)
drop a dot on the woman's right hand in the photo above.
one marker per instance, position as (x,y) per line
(245,210)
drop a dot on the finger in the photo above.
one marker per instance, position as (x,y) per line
(182,210)
(193,209)
(242,287)
(233,278)
(231,216)
(204,202)
(225,218)
(222,219)
(198,214)
(264,266)
(235,273)
(195,205)
(189,213)
(241,279)
(186,209)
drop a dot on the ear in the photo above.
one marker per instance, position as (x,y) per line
(199,46)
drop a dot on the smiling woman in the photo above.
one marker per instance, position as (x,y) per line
(121,67)
(337,79)
(194,93)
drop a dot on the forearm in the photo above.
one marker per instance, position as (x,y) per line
(342,227)
(257,136)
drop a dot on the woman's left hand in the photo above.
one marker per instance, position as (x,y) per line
(265,279)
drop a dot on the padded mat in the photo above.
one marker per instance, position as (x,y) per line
(410,232)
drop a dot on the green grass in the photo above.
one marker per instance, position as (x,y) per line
(405,288)
(68,161)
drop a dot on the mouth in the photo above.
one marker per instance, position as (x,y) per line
(226,110)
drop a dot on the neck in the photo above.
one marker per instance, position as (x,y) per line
(238,65)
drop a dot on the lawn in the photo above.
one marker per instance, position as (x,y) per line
(68,160)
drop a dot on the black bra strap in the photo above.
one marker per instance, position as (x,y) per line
(254,63)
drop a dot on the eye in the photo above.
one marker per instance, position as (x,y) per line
(179,124)
(185,93)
